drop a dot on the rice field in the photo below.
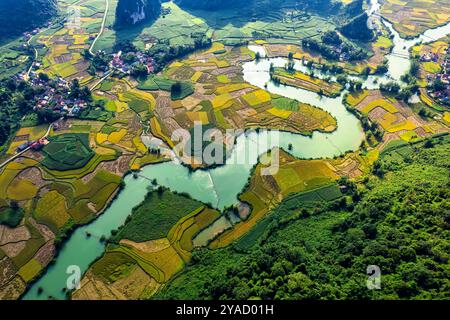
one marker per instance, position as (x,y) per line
(412,17)
(65,42)
(307,82)
(59,199)
(222,99)
(157,259)
(67,152)
(51,210)
(395,118)
(265,192)
(30,270)
(379,103)
(355,98)
(257,97)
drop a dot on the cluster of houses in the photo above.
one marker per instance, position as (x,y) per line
(126,62)
(27,35)
(56,96)
(429,57)
(441,93)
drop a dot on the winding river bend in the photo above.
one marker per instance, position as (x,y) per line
(220,186)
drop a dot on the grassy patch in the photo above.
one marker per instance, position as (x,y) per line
(67,152)
(153,218)
(21,190)
(97,113)
(51,210)
(185,90)
(383,42)
(223,78)
(113,266)
(154,83)
(11,217)
(285,104)
(30,270)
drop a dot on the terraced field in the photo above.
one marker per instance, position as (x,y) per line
(44,194)
(230,104)
(396,119)
(66,43)
(307,82)
(412,17)
(67,183)
(264,192)
(67,152)
(177,26)
(146,253)
(153,246)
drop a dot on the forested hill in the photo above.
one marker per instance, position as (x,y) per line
(260,5)
(135,12)
(357,28)
(17,16)
(399,220)
(213,4)
(350,17)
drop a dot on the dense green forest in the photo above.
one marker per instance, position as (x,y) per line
(357,28)
(398,219)
(16,100)
(28,14)
(323,7)
(264,5)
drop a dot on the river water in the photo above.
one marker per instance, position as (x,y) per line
(220,186)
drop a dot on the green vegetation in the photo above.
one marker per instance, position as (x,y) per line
(96,113)
(67,152)
(113,266)
(328,50)
(357,28)
(13,58)
(136,104)
(27,14)
(399,222)
(154,217)
(310,234)
(285,104)
(153,83)
(16,100)
(11,215)
(178,89)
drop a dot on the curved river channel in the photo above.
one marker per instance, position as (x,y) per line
(220,186)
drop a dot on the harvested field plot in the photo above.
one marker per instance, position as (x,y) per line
(412,17)
(307,82)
